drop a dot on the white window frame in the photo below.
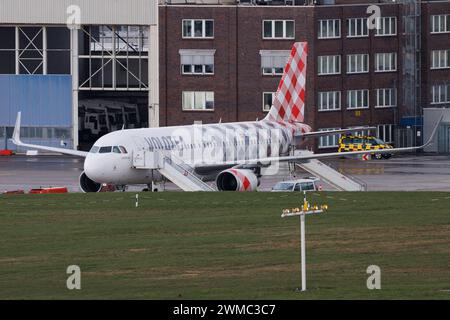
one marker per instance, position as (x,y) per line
(278,60)
(324,29)
(272,72)
(331,141)
(438,56)
(330,60)
(200,57)
(387,130)
(359,27)
(381,95)
(360,133)
(203,73)
(445,25)
(263,100)
(195,95)
(274,37)
(329,101)
(438,91)
(385,59)
(391,23)
(360,60)
(360,93)
(193,29)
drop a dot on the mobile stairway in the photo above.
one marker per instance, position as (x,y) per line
(328,174)
(172,168)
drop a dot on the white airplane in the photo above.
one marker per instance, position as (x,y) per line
(231,154)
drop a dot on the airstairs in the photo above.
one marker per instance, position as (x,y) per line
(172,168)
(328,174)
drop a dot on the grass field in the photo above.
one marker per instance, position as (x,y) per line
(223,246)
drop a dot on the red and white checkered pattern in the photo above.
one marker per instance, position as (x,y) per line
(245,184)
(289,101)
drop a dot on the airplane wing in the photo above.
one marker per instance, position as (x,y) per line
(330,132)
(16,140)
(299,158)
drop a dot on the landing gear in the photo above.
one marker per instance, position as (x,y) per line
(122,188)
(153,187)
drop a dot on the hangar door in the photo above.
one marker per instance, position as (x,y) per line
(46,105)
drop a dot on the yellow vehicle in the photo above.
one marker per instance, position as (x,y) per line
(360,143)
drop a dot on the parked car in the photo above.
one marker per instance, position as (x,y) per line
(307,184)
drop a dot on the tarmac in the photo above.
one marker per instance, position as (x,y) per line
(400,173)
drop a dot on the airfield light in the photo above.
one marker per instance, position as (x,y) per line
(137,200)
(302,212)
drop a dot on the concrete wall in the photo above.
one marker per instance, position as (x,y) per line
(116,12)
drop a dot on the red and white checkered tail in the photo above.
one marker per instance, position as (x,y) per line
(289,102)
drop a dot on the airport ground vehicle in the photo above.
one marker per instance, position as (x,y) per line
(348,143)
(296,185)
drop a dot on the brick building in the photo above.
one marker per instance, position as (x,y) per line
(223,61)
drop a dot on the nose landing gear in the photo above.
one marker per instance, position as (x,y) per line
(153,187)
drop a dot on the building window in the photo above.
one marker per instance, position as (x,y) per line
(273,61)
(123,38)
(440,94)
(357,27)
(388,27)
(329,65)
(358,99)
(198,100)
(385,132)
(357,63)
(278,29)
(330,141)
(440,59)
(329,101)
(329,29)
(197,62)
(386,62)
(203,29)
(440,23)
(360,133)
(386,98)
(268,100)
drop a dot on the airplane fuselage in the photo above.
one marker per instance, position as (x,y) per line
(111,158)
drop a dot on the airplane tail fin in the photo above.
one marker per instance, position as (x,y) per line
(16,133)
(289,101)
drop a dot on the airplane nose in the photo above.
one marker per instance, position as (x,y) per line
(93,168)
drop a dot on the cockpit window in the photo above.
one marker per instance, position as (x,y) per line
(123,149)
(105,150)
(116,149)
(94,149)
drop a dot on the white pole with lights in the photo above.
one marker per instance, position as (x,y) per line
(302,212)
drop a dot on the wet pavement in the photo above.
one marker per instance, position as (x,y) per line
(400,173)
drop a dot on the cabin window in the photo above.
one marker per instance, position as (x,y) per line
(123,149)
(116,149)
(105,150)
(94,149)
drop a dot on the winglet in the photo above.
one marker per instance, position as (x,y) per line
(16,134)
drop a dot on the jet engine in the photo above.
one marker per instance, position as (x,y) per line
(88,185)
(237,180)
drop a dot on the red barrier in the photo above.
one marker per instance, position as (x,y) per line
(14,192)
(6,153)
(49,190)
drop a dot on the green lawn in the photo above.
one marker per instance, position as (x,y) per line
(223,246)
